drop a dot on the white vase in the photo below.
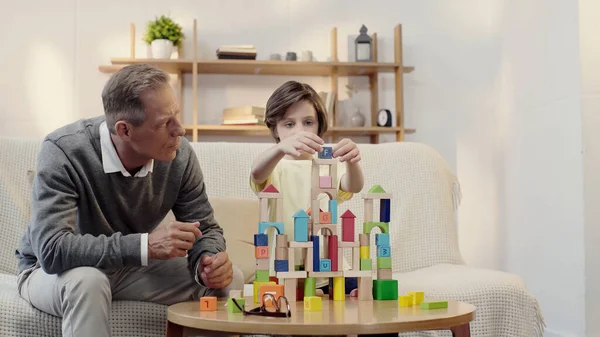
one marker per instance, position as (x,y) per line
(162,49)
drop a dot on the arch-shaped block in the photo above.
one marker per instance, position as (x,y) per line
(383,226)
(262,227)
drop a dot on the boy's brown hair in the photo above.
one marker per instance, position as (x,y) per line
(284,97)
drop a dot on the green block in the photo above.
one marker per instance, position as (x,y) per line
(376,189)
(385,290)
(434,305)
(366,264)
(384,227)
(232,308)
(310,286)
(384,262)
(262,276)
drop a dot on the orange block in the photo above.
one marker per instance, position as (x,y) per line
(208,303)
(325,217)
(274,289)
(261,252)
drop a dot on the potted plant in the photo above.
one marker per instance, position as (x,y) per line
(163,34)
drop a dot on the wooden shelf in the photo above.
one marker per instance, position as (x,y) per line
(260,130)
(258,67)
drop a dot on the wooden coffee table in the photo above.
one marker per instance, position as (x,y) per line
(349,317)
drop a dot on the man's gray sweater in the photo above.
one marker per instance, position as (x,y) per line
(82,216)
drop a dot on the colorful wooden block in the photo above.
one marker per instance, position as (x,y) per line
(384,274)
(316,252)
(261,252)
(348,219)
(368,226)
(262,227)
(339,292)
(235,293)
(313,303)
(261,240)
(384,262)
(333,209)
(281,265)
(325,182)
(232,308)
(366,264)
(385,290)
(257,286)
(325,265)
(300,226)
(384,210)
(208,303)
(364,239)
(326,152)
(434,305)
(405,301)
(270,189)
(261,275)
(333,252)
(365,252)
(382,239)
(281,253)
(273,289)
(310,286)
(418,297)
(262,264)
(384,251)
(281,240)
(300,289)
(274,279)
(377,189)
(325,218)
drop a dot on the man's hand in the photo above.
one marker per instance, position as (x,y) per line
(347,151)
(216,271)
(173,240)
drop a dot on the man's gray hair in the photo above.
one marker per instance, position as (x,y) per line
(121,94)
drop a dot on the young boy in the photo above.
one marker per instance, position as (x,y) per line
(297,119)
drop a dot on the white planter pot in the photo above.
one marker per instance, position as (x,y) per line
(162,49)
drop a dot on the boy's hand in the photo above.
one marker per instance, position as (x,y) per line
(302,141)
(216,271)
(347,151)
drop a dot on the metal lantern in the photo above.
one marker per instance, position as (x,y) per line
(364,46)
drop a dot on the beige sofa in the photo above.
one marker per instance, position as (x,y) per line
(425,251)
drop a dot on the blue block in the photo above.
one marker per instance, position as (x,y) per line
(384,210)
(261,240)
(333,209)
(316,253)
(301,229)
(326,153)
(281,265)
(382,239)
(262,227)
(384,251)
(325,265)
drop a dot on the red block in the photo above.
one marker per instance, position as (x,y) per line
(348,226)
(333,252)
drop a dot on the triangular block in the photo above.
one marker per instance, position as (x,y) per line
(300,214)
(376,189)
(348,214)
(271,189)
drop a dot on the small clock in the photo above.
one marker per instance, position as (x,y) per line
(384,117)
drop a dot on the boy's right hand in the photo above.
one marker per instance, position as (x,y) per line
(302,141)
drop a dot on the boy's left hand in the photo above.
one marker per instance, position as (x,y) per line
(347,151)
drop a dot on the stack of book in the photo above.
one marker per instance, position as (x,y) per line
(236,52)
(247,115)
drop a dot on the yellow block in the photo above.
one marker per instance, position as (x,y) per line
(313,303)
(418,297)
(339,291)
(405,301)
(257,287)
(364,252)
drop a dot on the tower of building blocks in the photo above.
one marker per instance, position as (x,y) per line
(316,235)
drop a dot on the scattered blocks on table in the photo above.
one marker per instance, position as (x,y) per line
(325,218)
(310,287)
(326,153)
(405,300)
(261,275)
(248,290)
(273,289)
(418,297)
(384,210)
(339,291)
(313,303)
(434,305)
(325,265)
(232,308)
(261,240)
(382,239)
(262,226)
(384,251)
(281,265)
(261,252)
(257,286)
(384,262)
(385,289)
(366,264)
(325,182)
(208,303)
